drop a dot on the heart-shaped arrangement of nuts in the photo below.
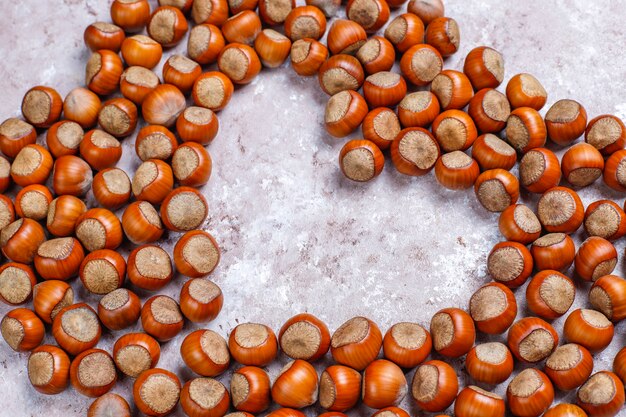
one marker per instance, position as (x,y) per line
(422,116)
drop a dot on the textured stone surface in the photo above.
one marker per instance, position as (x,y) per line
(296,236)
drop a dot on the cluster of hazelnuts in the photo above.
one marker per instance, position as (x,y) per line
(240,47)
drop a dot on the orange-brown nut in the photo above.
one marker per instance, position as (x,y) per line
(524,90)
(64,137)
(239,62)
(532,339)
(42,106)
(201,300)
(250,390)
(103,72)
(454,130)
(384,89)
(204,396)
(530,393)
(588,328)
(135,353)
(22,330)
(16,134)
(118,117)
(443,34)
(490,110)
(356,343)
(452,88)
(484,67)
(604,218)
(153,181)
(163,105)
(518,223)
(305,22)
(582,165)
(81,106)
(167,26)
(539,170)
(305,337)
(525,129)
(550,294)
(566,121)
(510,263)
(606,133)
(344,113)
(405,31)
(272,47)
(496,189)
(340,72)
(427,10)
(141,223)
(102,35)
(32,165)
(156,391)
(59,258)
(407,344)
(307,56)
(553,251)
(361,160)
(340,388)
(191,164)
(345,37)
(205,43)
(493,308)
(184,209)
(275,12)
(99,228)
(212,90)
(414,151)
(150,267)
(141,51)
(608,295)
(109,404)
(130,15)
(601,395)
(489,363)
(421,64)
(569,366)
(214,12)
(111,188)
(76,328)
(21,239)
(49,369)
(50,297)
(595,258)
(371,14)
(377,54)
(435,386)
(456,170)
(560,210)
(103,271)
(16,283)
(181,72)
(32,201)
(119,309)
(161,318)
(491,152)
(205,353)
(253,344)
(453,332)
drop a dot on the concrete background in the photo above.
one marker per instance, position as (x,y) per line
(296,236)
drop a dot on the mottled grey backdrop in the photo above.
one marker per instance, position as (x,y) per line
(295,235)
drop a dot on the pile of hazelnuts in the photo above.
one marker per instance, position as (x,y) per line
(85,242)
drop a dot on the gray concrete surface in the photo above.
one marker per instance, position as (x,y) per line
(296,236)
